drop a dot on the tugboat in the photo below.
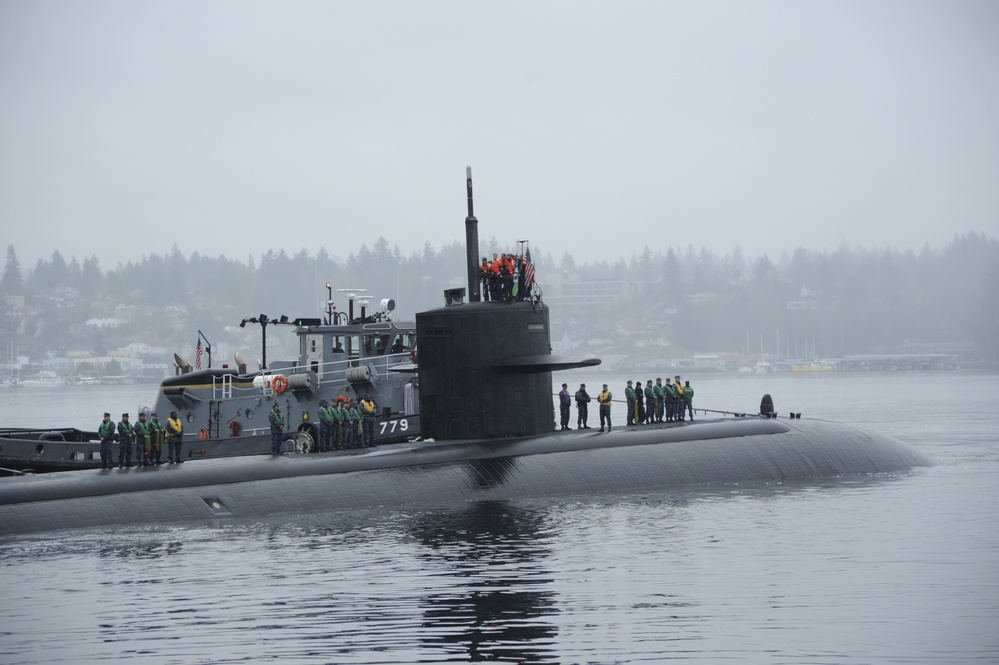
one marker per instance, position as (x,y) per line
(367,355)
(224,410)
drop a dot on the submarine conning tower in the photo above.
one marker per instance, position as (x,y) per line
(485,367)
(470,386)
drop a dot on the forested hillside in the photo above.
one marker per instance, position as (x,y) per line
(852,299)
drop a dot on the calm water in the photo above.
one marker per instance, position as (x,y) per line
(897,569)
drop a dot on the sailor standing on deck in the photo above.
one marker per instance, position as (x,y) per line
(352,418)
(652,401)
(156,433)
(174,434)
(564,404)
(368,411)
(494,278)
(277,428)
(670,400)
(688,398)
(141,431)
(582,402)
(660,391)
(336,410)
(124,442)
(680,407)
(345,425)
(630,397)
(106,432)
(325,425)
(485,273)
(639,403)
(604,398)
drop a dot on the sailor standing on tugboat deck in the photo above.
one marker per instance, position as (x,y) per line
(277,428)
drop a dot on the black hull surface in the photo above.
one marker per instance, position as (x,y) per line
(44,450)
(740,450)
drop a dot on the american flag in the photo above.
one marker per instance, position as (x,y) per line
(197,355)
(528,269)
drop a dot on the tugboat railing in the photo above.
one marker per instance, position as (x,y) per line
(329,373)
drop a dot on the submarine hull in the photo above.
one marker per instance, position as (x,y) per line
(650,458)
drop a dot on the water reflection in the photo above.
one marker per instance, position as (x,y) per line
(497,608)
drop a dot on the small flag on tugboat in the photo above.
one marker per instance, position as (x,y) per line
(197,355)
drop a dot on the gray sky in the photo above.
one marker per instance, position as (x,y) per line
(592,127)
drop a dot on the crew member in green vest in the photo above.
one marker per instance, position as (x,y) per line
(125,442)
(652,401)
(277,428)
(325,425)
(352,417)
(660,393)
(338,418)
(156,434)
(670,400)
(141,431)
(688,398)
(632,399)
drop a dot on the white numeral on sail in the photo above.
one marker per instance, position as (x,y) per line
(390,426)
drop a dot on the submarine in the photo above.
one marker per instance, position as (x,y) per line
(487,432)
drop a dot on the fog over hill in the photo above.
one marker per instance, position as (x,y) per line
(664,305)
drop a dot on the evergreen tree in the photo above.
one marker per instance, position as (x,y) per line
(12,282)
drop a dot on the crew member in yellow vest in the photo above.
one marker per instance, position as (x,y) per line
(368,411)
(175,433)
(678,387)
(604,399)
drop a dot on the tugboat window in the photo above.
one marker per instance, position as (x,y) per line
(375,345)
(190,417)
(403,342)
(249,414)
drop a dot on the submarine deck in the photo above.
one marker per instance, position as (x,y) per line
(574,462)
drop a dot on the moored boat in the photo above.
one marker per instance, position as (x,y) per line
(814,366)
(43,378)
